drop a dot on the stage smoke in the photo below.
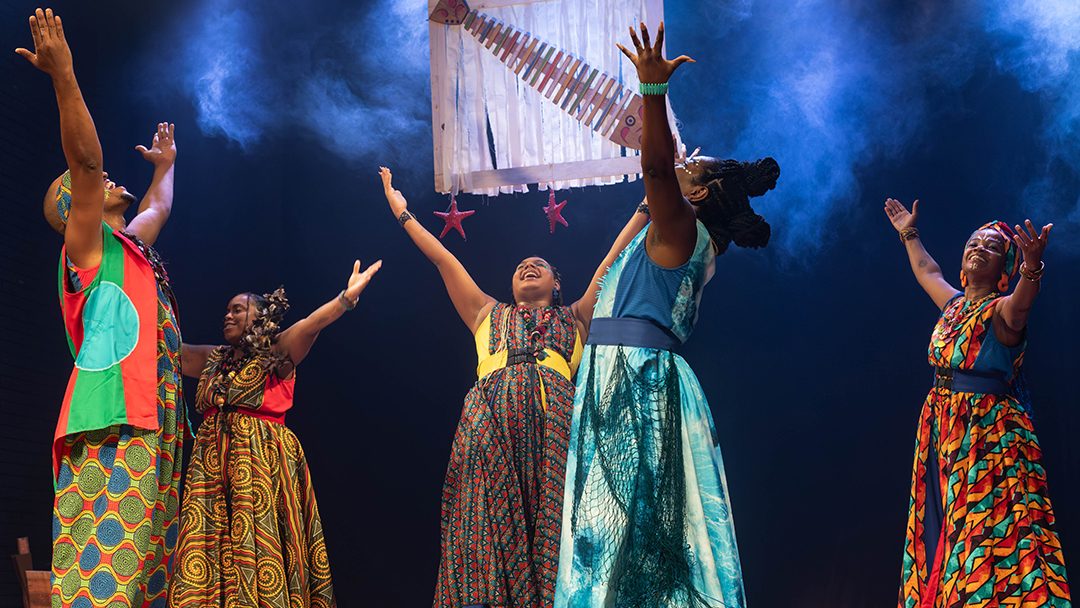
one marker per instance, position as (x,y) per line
(358,83)
(1038,42)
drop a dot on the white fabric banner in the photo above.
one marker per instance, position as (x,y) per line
(492,128)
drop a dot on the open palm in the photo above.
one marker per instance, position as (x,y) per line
(898,214)
(649,58)
(51,52)
(163,147)
(359,280)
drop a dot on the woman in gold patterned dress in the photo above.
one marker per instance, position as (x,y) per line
(250,533)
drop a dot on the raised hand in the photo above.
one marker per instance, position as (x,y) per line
(359,280)
(163,149)
(397,201)
(649,58)
(1032,243)
(898,214)
(51,52)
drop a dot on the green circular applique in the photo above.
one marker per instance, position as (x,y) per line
(137,458)
(91,480)
(82,529)
(56,602)
(63,556)
(132,509)
(69,504)
(125,562)
(110,328)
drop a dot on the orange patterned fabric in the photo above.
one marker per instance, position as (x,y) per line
(978,492)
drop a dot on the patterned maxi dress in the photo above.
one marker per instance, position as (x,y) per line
(250,533)
(117,491)
(980,528)
(646,517)
(503,489)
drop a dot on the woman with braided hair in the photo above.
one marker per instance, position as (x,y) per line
(250,532)
(646,517)
(980,529)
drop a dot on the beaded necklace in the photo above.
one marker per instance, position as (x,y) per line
(955,316)
(228,367)
(536,327)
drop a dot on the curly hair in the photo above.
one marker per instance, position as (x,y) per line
(259,339)
(725,211)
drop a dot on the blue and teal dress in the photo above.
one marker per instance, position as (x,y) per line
(646,517)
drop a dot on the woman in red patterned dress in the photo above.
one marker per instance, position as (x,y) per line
(250,532)
(502,496)
(980,528)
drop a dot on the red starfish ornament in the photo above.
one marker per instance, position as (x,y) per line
(453,218)
(553,211)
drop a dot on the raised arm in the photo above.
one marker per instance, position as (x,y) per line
(78,136)
(926,270)
(1014,308)
(295,342)
(471,303)
(583,308)
(157,203)
(673,231)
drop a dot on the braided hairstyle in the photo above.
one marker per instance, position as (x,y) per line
(258,340)
(725,211)
(556,294)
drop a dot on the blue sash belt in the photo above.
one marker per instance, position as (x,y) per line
(631,332)
(970,381)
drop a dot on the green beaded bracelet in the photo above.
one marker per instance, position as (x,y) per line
(653,88)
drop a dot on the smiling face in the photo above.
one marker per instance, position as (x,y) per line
(534,281)
(984,256)
(239,315)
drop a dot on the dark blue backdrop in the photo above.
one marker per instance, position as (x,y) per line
(812,352)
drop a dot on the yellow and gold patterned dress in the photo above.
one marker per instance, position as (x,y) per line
(250,533)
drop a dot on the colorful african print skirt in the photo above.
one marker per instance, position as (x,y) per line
(114,517)
(980,528)
(250,533)
(503,490)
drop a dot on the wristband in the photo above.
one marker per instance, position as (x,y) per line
(909,233)
(345,302)
(653,88)
(1032,275)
